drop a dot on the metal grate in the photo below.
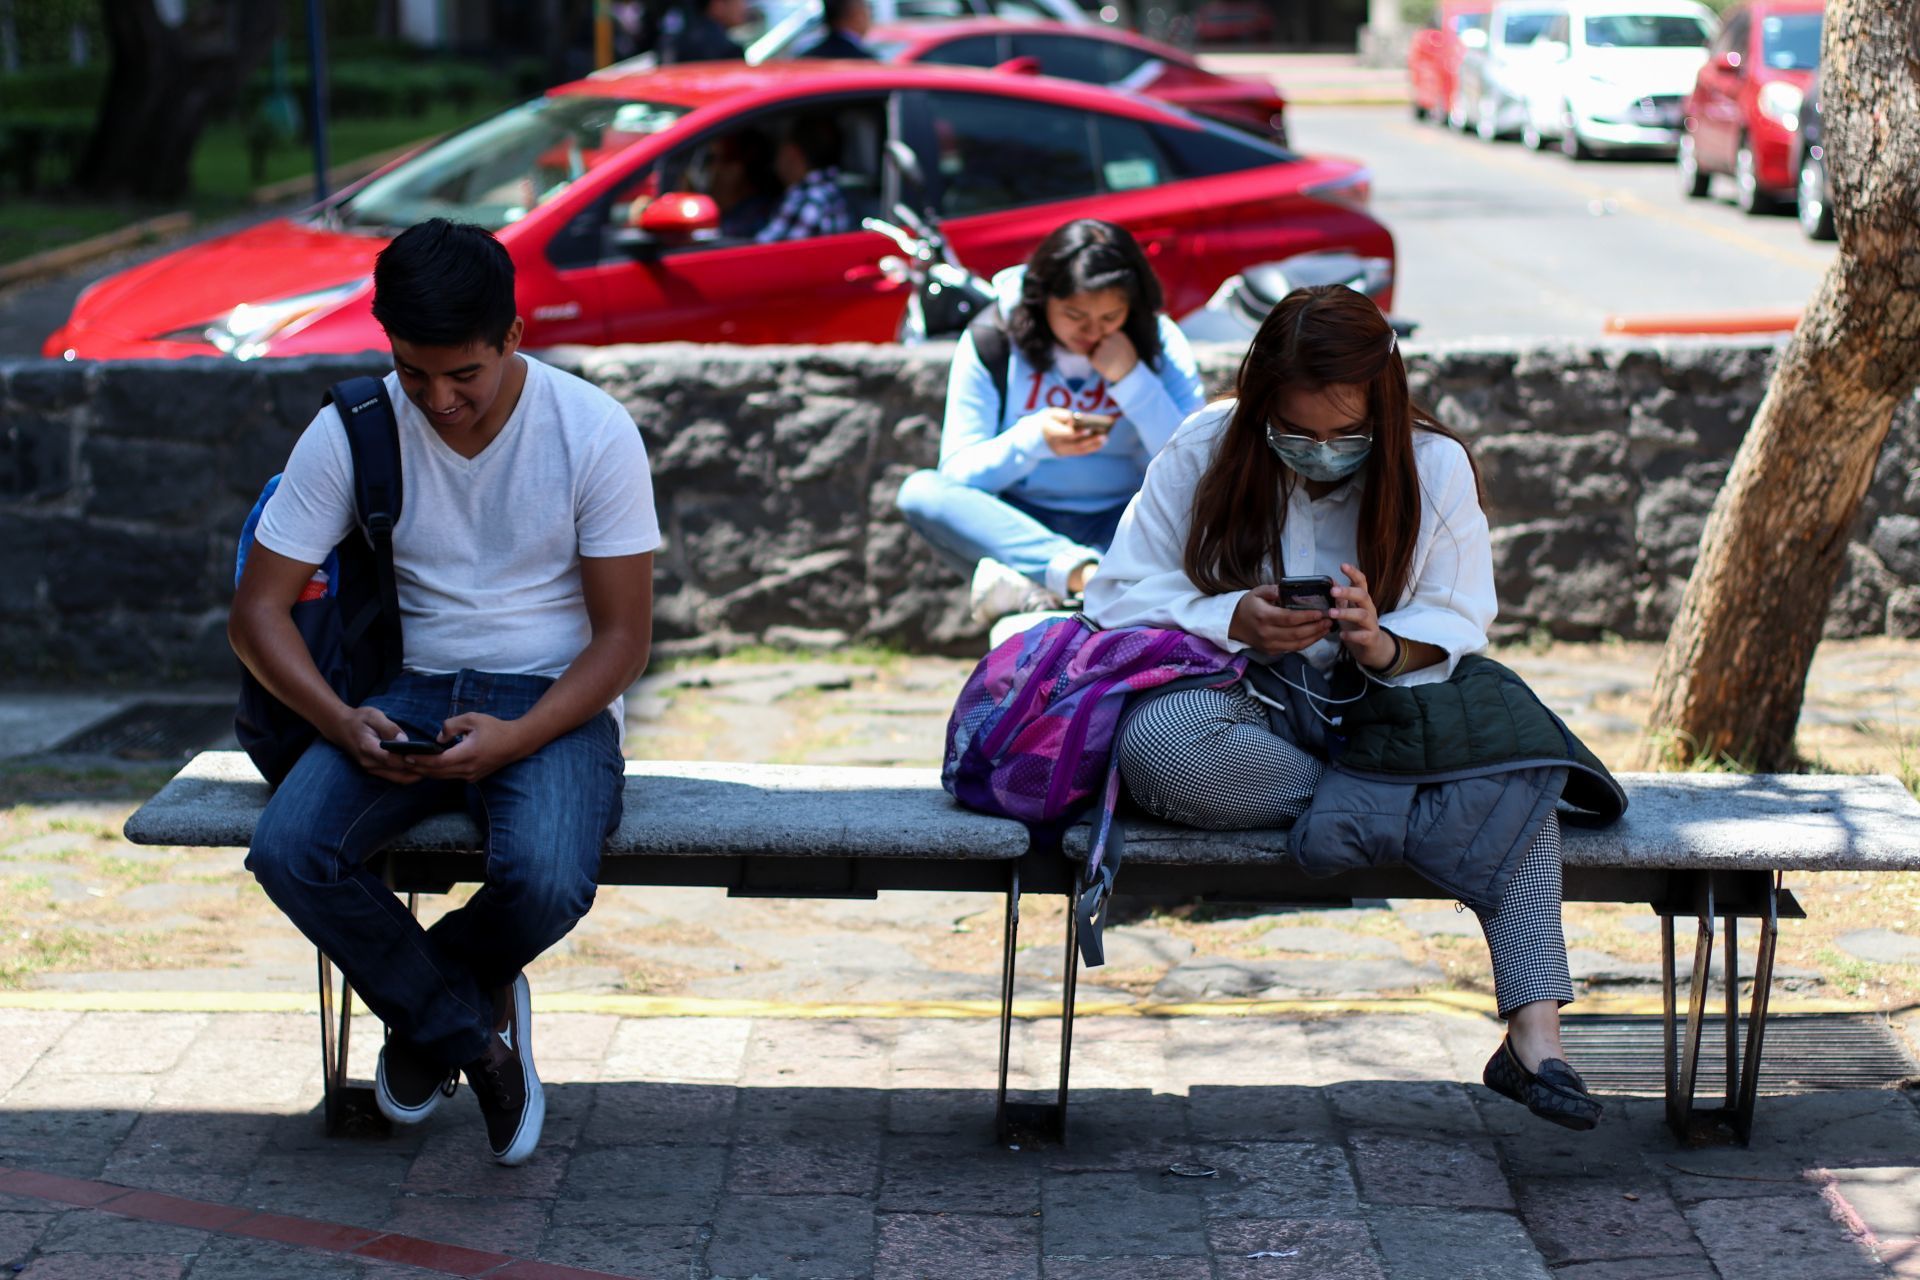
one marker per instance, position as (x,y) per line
(151,731)
(1807,1051)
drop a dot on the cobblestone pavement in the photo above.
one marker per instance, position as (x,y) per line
(1236,1149)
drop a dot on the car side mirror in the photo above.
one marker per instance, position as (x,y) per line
(1727,62)
(679,217)
(1024,65)
(669,221)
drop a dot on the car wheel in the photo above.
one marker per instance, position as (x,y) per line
(1456,113)
(1816,214)
(1572,146)
(1420,111)
(1748,196)
(1486,123)
(1693,180)
(1531,137)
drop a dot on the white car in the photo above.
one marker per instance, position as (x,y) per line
(1616,72)
(1496,78)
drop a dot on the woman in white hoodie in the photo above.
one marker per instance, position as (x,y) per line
(1323,467)
(1043,447)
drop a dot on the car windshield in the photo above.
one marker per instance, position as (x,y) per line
(1469,22)
(1646,31)
(1791,42)
(1525,28)
(497,171)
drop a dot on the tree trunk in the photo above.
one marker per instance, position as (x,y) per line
(1734,669)
(163,85)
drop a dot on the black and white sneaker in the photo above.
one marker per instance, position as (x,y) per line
(408,1086)
(504,1081)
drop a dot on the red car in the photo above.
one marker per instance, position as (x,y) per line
(1091,55)
(1233,22)
(1745,106)
(1433,58)
(629,206)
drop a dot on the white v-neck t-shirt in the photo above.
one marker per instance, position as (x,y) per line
(487,551)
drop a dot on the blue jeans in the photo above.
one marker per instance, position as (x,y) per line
(965,525)
(544,819)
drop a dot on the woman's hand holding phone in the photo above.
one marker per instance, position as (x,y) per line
(1066,436)
(1360,621)
(1262,623)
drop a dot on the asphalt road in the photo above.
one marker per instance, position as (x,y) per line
(1496,240)
(1493,239)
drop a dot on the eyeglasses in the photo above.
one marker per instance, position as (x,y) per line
(1340,446)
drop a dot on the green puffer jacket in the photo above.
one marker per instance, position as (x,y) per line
(1454,778)
(1484,716)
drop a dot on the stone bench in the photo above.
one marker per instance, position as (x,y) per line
(1704,846)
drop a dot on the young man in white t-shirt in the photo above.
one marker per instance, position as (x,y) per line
(524,560)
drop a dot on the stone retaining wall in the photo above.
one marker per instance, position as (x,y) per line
(122,487)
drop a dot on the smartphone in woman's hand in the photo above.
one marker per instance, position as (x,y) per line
(1307,593)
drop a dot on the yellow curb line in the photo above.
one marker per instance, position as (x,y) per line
(1454,1003)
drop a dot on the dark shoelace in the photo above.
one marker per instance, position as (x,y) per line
(496,1083)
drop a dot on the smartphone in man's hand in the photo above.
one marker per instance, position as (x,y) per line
(412,748)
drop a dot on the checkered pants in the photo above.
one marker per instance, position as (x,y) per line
(1206,758)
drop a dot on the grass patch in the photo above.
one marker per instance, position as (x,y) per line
(223,179)
(26,785)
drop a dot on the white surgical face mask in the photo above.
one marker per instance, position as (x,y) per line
(1323,460)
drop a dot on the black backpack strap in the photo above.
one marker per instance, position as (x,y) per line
(373,436)
(994,346)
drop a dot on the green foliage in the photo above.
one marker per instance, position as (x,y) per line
(1418,13)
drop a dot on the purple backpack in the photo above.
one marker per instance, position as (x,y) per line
(1033,734)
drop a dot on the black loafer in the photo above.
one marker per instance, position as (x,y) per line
(1555,1092)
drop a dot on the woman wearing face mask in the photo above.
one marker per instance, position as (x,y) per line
(1323,465)
(1052,417)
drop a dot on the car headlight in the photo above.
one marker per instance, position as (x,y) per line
(244,332)
(1781,101)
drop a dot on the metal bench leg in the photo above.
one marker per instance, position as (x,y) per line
(350,1110)
(1688,1122)
(1010,939)
(1680,1084)
(1743,1106)
(1019,1123)
(1069,989)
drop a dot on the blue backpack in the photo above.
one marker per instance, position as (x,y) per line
(352,627)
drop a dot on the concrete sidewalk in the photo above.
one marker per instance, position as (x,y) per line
(165,1145)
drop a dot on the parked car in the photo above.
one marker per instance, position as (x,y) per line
(801,27)
(1614,75)
(1744,109)
(1814,193)
(1433,57)
(1495,79)
(1091,55)
(621,202)
(1233,22)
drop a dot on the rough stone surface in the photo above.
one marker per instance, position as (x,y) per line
(776,470)
(1881,946)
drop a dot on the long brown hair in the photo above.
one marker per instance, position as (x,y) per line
(1317,337)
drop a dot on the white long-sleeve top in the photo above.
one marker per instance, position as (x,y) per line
(1449,601)
(1000,448)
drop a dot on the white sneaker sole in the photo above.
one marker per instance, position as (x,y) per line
(391,1108)
(534,1118)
